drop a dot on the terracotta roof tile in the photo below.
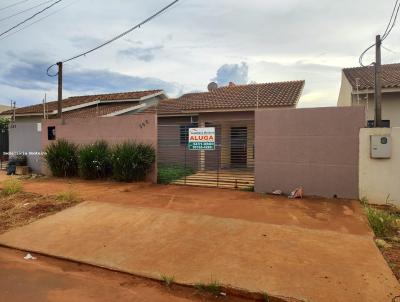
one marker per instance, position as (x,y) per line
(80,100)
(281,94)
(390,76)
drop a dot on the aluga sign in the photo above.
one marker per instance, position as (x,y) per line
(202,138)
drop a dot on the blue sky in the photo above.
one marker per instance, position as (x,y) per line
(190,45)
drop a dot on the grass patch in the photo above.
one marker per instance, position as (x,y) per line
(11,186)
(248,189)
(67,196)
(384,224)
(168,280)
(169,173)
(213,287)
(265,296)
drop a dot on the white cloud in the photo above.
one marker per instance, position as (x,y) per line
(279,40)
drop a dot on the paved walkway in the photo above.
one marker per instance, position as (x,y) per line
(286,260)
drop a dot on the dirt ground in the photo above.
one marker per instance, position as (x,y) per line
(25,207)
(49,279)
(312,213)
(317,249)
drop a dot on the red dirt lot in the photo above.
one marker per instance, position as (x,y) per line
(49,279)
(313,213)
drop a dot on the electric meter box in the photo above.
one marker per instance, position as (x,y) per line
(381,146)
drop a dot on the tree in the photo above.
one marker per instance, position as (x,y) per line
(4,122)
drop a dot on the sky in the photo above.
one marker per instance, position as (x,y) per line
(188,46)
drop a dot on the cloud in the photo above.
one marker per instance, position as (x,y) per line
(322,81)
(32,76)
(237,73)
(140,53)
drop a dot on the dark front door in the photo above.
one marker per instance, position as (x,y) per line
(238,147)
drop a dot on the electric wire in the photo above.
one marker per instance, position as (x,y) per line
(12,5)
(38,20)
(389,27)
(161,11)
(25,10)
(30,18)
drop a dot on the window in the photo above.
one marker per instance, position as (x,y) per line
(184,133)
(51,133)
(385,124)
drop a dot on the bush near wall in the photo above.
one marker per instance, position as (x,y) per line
(132,161)
(62,158)
(95,160)
(126,161)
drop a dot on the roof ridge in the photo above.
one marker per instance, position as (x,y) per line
(107,94)
(368,66)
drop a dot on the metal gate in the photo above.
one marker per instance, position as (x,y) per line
(230,165)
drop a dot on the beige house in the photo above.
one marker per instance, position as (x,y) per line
(358,89)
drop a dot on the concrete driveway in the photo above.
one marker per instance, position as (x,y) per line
(318,250)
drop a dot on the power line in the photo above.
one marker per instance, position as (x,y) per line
(393,23)
(12,5)
(25,10)
(389,27)
(30,18)
(116,37)
(38,20)
(391,18)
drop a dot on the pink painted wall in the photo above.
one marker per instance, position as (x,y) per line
(315,148)
(139,127)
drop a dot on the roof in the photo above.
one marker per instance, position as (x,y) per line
(366,75)
(4,108)
(246,97)
(80,102)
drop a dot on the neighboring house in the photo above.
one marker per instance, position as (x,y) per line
(230,110)
(4,108)
(25,132)
(358,89)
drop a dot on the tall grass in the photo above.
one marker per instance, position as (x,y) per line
(11,186)
(382,223)
(62,158)
(95,160)
(132,161)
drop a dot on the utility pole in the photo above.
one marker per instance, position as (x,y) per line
(378,83)
(60,83)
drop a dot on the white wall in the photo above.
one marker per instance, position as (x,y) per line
(345,93)
(390,107)
(379,178)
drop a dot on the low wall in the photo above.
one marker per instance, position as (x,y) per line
(380,178)
(314,148)
(139,128)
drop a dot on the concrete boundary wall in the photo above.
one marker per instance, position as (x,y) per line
(314,148)
(380,178)
(139,128)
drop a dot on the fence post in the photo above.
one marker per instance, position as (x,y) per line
(185,162)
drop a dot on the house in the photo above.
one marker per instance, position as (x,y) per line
(230,110)
(25,131)
(358,89)
(4,108)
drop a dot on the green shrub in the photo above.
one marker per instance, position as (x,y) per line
(11,186)
(132,161)
(169,173)
(95,160)
(62,158)
(382,223)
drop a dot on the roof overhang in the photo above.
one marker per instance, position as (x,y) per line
(372,91)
